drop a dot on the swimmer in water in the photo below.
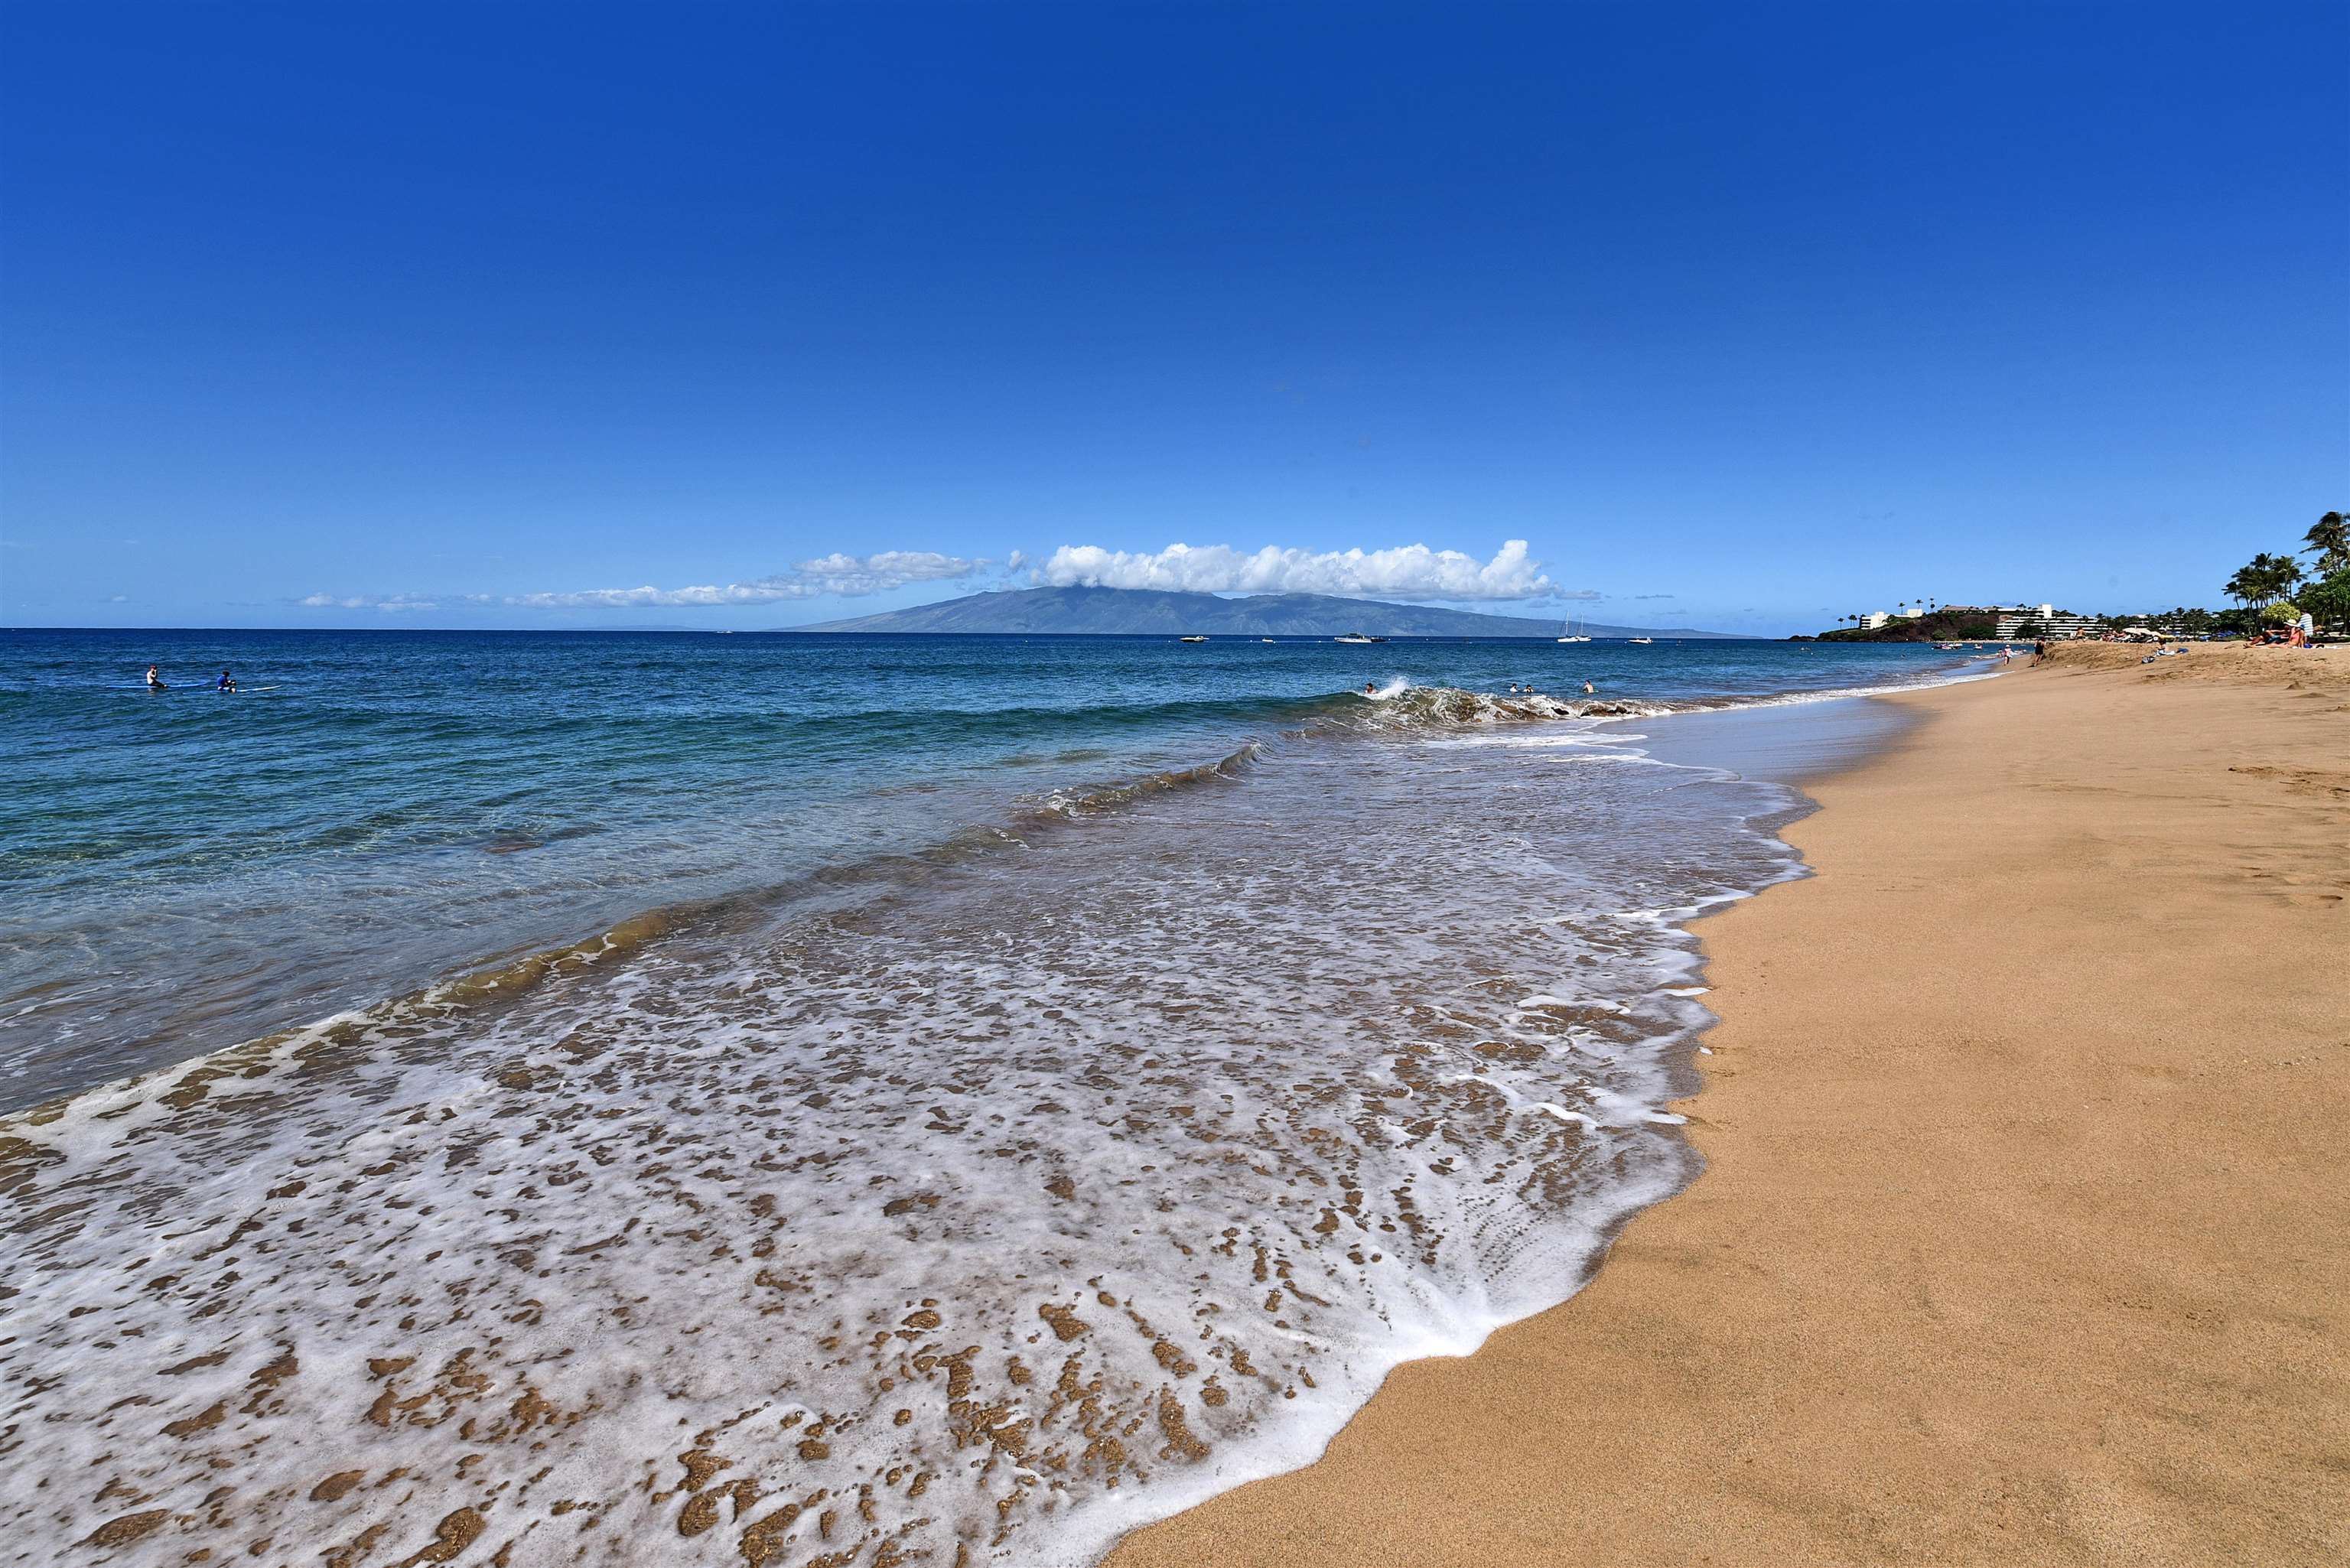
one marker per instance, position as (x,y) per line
(1588,687)
(1369,690)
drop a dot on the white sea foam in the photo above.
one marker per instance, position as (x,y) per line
(975,1220)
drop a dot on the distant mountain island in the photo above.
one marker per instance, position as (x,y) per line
(1146,612)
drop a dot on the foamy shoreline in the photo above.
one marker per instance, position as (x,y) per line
(1026,1202)
(2003,1252)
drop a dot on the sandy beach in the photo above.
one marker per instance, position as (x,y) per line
(2022,1235)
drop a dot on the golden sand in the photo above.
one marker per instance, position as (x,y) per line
(2026,1231)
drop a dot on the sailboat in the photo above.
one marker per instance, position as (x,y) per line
(1571,635)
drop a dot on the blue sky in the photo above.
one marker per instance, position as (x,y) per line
(1739,317)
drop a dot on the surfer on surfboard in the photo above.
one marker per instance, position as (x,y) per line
(154,679)
(227,682)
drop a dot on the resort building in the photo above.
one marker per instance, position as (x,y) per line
(2047,620)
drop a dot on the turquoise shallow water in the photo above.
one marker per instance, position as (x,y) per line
(967,1096)
(186,870)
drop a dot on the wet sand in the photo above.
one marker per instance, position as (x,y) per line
(2025,1234)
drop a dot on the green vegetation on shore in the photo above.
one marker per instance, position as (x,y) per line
(1953,624)
(2269,590)
(2276,589)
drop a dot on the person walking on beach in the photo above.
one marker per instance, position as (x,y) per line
(2307,626)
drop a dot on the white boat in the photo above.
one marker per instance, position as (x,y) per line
(1644,640)
(1265,639)
(1191,639)
(1358,637)
(1572,636)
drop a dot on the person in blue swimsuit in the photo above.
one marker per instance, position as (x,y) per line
(227,682)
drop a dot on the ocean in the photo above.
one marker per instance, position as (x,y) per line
(676,1098)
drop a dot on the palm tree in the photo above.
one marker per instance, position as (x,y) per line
(2329,540)
(2284,575)
(2264,579)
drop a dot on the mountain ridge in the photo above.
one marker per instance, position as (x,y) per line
(1147,612)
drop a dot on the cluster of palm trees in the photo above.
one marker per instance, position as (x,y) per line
(2264,579)
(2280,586)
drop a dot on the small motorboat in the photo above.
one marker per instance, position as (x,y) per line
(1644,640)
(1356,637)
(1194,639)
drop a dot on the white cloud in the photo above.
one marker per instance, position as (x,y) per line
(844,575)
(1411,572)
(389,602)
(848,576)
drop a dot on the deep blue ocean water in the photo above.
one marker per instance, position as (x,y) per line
(975,1094)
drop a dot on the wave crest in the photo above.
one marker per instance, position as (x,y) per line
(1402,706)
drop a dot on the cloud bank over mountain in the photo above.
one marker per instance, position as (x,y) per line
(1410,572)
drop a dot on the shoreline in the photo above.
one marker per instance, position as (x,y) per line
(652,1164)
(2018,1232)
(508,957)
